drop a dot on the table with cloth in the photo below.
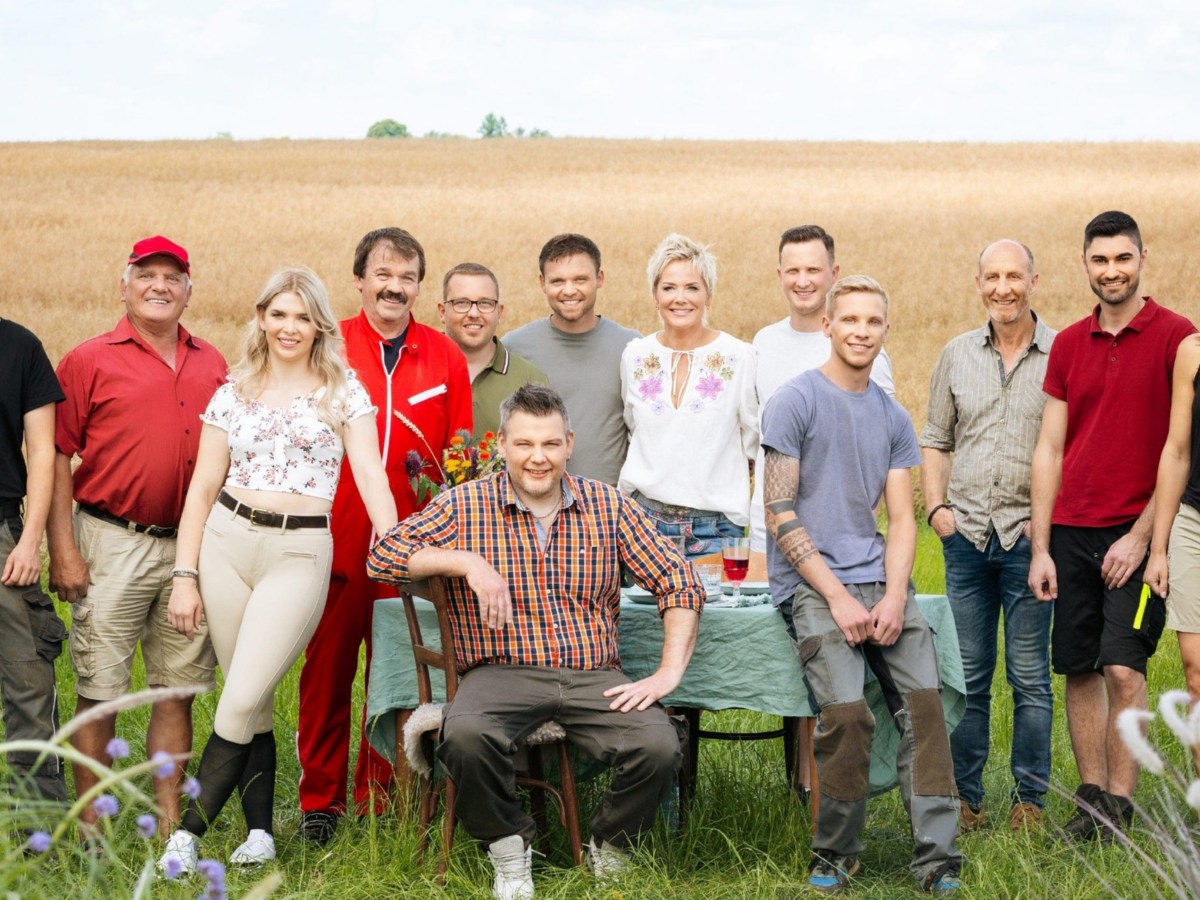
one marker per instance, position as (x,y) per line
(743,660)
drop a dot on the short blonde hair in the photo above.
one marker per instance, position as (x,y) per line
(679,248)
(854,284)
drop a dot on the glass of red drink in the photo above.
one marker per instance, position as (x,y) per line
(735,555)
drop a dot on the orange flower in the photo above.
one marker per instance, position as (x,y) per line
(483,454)
(456,441)
(489,436)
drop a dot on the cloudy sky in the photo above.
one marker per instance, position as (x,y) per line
(918,70)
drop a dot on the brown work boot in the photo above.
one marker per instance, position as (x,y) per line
(969,819)
(1023,816)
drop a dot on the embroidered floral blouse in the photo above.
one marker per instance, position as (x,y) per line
(694,455)
(286,449)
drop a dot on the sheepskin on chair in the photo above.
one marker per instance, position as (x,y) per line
(428,717)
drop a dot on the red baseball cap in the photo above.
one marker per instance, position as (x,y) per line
(160,246)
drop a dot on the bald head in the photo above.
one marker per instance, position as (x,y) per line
(1009,243)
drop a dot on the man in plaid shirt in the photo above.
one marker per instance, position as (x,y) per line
(533,558)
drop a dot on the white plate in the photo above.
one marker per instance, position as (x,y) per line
(748,587)
(636,594)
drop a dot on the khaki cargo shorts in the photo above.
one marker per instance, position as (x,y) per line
(126,603)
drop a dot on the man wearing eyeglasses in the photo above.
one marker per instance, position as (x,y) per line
(470,311)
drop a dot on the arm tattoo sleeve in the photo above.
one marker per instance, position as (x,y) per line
(781,479)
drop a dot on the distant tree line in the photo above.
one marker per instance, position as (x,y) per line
(493,126)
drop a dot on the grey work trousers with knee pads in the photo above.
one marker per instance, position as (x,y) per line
(908,673)
(31,638)
(496,706)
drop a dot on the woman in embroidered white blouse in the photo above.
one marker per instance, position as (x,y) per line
(690,406)
(254,549)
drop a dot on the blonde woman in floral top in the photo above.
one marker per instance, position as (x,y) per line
(690,407)
(254,550)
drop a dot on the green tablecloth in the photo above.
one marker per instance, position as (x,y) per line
(743,660)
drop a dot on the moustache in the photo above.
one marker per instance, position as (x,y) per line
(398,296)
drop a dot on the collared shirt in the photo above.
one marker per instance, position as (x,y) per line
(495,384)
(566,598)
(135,421)
(1118,394)
(990,421)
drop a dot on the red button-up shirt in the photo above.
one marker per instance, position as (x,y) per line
(134,421)
(566,598)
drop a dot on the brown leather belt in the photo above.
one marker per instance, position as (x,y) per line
(155,531)
(269,519)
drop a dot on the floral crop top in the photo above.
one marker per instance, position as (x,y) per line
(289,449)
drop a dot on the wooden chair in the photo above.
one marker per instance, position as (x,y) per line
(421,729)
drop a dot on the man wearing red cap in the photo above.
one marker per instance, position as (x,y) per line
(132,415)
(418,379)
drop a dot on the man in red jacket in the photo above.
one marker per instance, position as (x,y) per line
(418,379)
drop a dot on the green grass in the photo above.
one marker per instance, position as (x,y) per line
(747,837)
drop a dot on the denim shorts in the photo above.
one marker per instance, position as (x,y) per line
(702,529)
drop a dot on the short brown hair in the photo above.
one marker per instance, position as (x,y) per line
(536,400)
(401,242)
(469,268)
(802,234)
(563,245)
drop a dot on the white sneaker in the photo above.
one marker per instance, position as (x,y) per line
(258,848)
(608,863)
(513,862)
(180,856)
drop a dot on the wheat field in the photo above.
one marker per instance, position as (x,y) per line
(915,216)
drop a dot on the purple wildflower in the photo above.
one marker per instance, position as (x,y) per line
(172,868)
(117,748)
(215,873)
(191,787)
(39,842)
(146,826)
(164,766)
(412,464)
(105,805)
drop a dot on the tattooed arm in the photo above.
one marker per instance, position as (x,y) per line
(781,478)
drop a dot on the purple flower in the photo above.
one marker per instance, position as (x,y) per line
(117,749)
(215,873)
(172,867)
(650,387)
(709,385)
(146,826)
(39,842)
(164,766)
(191,787)
(105,805)
(412,464)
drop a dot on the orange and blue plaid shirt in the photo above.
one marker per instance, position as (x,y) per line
(566,597)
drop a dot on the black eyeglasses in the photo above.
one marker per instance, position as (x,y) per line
(463,305)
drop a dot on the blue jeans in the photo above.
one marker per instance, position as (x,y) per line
(702,530)
(981,586)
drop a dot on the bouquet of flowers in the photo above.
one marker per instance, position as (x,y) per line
(462,461)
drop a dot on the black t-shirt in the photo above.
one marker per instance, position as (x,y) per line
(27,381)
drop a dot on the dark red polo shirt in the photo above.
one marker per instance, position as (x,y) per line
(1118,394)
(134,422)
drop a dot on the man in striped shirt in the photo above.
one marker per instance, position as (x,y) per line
(985,408)
(533,558)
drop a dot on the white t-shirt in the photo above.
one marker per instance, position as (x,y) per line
(696,455)
(286,449)
(783,353)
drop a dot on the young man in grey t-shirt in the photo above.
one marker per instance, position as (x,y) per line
(580,352)
(834,444)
